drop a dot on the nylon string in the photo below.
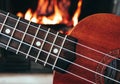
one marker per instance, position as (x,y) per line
(83,55)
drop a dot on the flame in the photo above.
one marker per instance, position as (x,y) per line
(28,14)
(55,18)
(77,13)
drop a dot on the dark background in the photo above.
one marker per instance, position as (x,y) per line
(88,7)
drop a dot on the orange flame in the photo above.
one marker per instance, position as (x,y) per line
(55,18)
(77,13)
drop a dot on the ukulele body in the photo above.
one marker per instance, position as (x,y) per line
(100,32)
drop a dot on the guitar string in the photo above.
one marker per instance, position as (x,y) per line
(82,46)
(98,51)
(72,63)
(59,67)
(71,51)
(52,65)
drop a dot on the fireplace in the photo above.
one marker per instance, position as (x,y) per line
(88,7)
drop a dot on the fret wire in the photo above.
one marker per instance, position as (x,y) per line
(25,23)
(47,63)
(36,37)
(4,22)
(15,39)
(59,67)
(23,37)
(13,32)
(21,31)
(33,41)
(25,54)
(29,55)
(42,45)
(45,31)
(30,25)
(51,49)
(21,52)
(33,47)
(59,52)
(26,33)
(35,58)
(33,36)
(24,43)
(34,26)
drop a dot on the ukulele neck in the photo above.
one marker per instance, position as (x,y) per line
(40,44)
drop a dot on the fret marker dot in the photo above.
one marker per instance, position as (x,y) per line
(55,50)
(38,43)
(7,31)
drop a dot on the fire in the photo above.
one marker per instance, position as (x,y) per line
(29,16)
(77,13)
(59,15)
(55,18)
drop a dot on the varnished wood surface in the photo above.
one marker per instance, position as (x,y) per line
(101,32)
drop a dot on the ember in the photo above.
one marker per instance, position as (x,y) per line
(53,12)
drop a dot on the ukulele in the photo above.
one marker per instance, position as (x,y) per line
(78,58)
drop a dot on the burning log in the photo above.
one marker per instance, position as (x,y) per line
(58,27)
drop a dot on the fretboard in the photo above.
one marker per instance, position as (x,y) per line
(43,45)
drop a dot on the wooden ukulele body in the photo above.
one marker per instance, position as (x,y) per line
(100,32)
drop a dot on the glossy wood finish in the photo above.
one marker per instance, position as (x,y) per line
(101,32)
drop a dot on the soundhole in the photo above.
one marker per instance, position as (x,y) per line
(114,74)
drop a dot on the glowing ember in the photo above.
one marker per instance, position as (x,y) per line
(53,12)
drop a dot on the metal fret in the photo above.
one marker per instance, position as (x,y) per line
(21,52)
(59,52)
(42,44)
(48,47)
(4,21)
(32,42)
(23,37)
(13,32)
(51,48)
